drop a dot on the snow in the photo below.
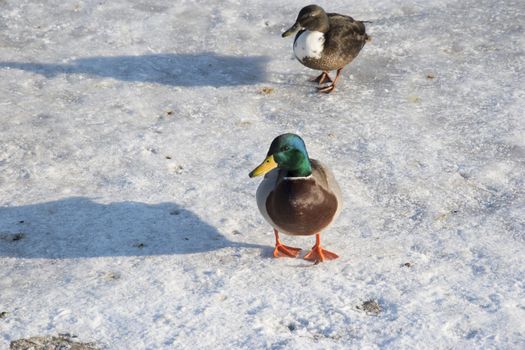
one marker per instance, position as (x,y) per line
(127,217)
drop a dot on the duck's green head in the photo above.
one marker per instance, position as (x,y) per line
(311,17)
(287,152)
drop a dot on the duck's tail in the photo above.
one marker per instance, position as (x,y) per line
(368,38)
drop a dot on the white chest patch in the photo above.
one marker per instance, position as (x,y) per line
(309,44)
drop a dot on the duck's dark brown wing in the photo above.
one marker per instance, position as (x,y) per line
(357,27)
(346,36)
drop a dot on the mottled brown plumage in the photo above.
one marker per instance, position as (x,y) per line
(302,206)
(343,42)
(298,196)
(343,37)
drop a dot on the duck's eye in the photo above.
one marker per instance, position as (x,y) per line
(286,148)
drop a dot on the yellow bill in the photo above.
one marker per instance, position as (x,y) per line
(267,165)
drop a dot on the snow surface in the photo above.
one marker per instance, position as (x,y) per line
(127,218)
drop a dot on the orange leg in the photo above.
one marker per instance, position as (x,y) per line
(328,89)
(321,78)
(318,254)
(282,250)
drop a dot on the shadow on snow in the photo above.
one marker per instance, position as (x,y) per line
(204,69)
(77,227)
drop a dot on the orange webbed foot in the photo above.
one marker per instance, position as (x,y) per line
(329,88)
(321,78)
(326,89)
(283,250)
(318,254)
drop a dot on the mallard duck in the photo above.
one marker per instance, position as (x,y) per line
(326,42)
(298,196)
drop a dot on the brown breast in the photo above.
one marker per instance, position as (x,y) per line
(301,206)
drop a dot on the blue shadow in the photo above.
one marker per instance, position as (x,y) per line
(203,69)
(78,227)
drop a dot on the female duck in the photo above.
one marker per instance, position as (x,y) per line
(298,195)
(326,42)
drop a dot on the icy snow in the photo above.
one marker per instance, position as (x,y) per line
(127,217)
